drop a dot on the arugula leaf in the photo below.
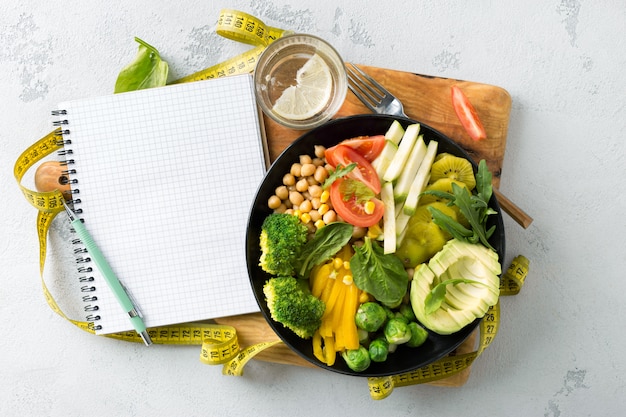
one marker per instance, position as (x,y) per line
(339,172)
(146,71)
(475,208)
(436,296)
(327,242)
(379,274)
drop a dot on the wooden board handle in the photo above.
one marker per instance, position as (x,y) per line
(513,210)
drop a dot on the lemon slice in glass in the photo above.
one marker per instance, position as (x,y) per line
(309,95)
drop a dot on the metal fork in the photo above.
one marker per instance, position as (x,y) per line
(371,93)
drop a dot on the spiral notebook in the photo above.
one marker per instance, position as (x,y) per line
(164,179)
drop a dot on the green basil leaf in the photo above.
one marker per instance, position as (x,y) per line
(379,274)
(435,297)
(326,243)
(146,71)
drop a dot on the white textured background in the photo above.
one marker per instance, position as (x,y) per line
(560,348)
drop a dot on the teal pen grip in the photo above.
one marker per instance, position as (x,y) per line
(107,272)
(103,266)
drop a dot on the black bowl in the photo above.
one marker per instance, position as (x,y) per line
(404,359)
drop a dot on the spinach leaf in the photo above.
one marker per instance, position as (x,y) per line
(146,71)
(379,274)
(327,242)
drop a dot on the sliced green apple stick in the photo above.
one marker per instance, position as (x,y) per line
(389,218)
(402,187)
(393,136)
(419,183)
(404,149)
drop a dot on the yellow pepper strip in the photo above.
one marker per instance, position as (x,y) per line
(329,351)
(349,329)
(317,347)
(318,279)
(326,329)
(338,329)
(334,298)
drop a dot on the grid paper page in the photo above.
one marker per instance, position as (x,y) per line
(166,179)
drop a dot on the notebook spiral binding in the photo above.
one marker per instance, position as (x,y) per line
(82,256)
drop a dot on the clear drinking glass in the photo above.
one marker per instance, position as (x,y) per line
(278,68)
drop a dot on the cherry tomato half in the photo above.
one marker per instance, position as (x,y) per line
(364,171)
(367,146)
(353,211)
(467,114)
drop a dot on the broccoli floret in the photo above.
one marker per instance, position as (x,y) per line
(291,303)
(282,237)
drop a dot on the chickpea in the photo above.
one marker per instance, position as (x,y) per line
(315,190)
(330,216)
(359,232)
(315,215)
(281,209)
(282,192)
(296,169)
(307,170)
(306,206)
(316,203)
(274,202)
(302,185)
(318,162)
(321,174)
(319,151)
(296,198)
(305,159)
(289,179)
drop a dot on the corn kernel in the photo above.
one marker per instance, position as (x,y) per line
(323,209)
(346,265)
(305,218)
(369,207)
(337,263)
(363,297)
(325,196)
(373,232)
(347,279)
(297,213)
(320,223)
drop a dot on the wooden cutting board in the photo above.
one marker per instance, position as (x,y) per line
(426,99)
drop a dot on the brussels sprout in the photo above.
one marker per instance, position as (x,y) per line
(397,331)
(418,335)
(370,316)
(357,359)
(378,350)
(407,311)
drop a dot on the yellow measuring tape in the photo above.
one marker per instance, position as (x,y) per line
(219,342)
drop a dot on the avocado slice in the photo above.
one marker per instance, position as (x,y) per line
(463,302)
